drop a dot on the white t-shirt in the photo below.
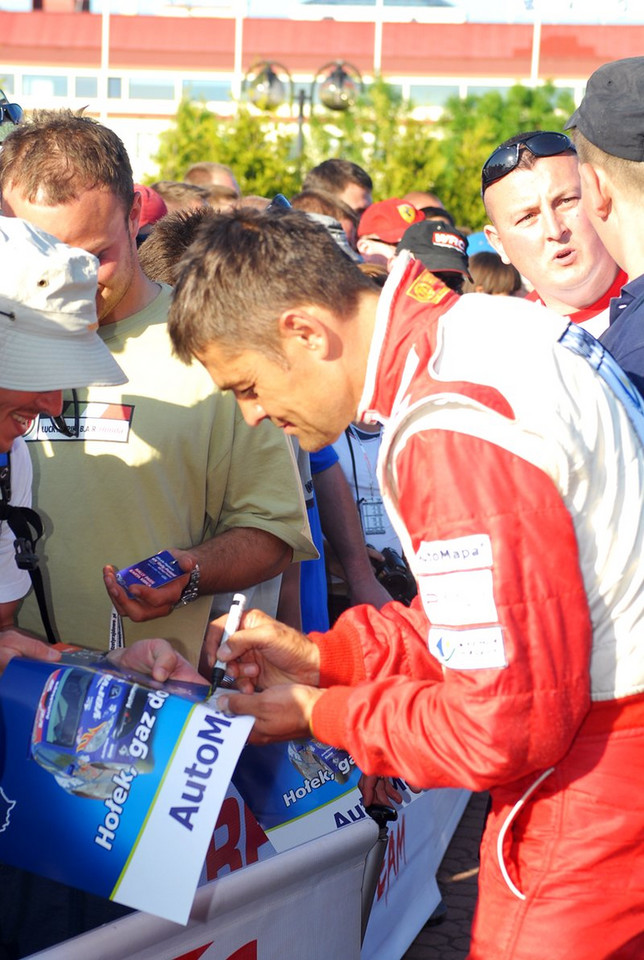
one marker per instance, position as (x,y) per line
(360,472)
(14,583)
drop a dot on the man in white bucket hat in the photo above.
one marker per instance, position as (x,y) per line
(48,342)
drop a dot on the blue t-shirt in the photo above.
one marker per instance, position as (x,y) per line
(313,590)
(625,335)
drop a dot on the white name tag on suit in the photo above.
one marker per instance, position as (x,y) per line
(456,585)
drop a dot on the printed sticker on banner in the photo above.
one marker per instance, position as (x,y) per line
(478,649)
(458,599)
(461,553)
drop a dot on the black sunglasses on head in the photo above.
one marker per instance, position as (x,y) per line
(505,159)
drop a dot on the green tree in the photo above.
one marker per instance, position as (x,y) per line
(257,148)
(378,133)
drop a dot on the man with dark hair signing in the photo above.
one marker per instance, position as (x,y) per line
(519,668)
(532,194)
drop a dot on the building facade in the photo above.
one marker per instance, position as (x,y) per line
(133,71)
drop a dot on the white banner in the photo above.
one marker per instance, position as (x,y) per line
(407,893)
(181,820)
(306,902)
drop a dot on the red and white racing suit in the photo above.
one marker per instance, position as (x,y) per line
(514,474)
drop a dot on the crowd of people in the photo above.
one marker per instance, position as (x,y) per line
(326,403)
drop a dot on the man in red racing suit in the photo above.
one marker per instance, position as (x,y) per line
(513,469)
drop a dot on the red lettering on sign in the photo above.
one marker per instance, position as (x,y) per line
(395,857)
(247,952)
(231,848)
(255,836)
(195,954)
(228,854)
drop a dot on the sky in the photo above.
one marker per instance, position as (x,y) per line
(517,11)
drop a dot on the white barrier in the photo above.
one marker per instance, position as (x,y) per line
(305,902)
(407,893)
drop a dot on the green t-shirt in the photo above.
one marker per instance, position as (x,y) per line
(162,461)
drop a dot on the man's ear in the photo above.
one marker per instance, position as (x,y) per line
(596,191)
(134,215)
(494,239)
(303,327)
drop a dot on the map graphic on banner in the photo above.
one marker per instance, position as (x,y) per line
(110,781)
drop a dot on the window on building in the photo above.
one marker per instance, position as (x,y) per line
(567,91)
(86,87)
(478,90)
(207,90)
(114,88)
(6,83)
(434,95)
(150,90)
(396,88)
(44,85)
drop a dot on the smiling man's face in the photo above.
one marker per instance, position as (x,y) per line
(19,408)
(539,225)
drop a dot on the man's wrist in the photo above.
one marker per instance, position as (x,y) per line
(191,590)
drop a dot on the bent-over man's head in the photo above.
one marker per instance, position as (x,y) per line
(532,194)
(277,313)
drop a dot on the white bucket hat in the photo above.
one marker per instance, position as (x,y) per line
(48,338)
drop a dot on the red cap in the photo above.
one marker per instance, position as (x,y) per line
(388,219)
(152,205)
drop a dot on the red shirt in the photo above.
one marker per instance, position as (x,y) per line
(579,316)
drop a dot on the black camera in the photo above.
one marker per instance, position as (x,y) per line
(395,576)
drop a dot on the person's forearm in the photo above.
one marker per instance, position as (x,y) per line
(239,558)
(289,609)
(8,612)
(341,527)
(341,523)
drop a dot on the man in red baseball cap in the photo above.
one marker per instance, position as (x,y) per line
(153,207)
(382,226)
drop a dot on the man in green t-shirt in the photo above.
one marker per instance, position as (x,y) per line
(163,463)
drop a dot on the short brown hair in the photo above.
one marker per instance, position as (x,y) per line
(177,193)
(171,236)
(204,174)
(627,175)
(245,268)
(57,155)
(491,275)
(335,175)
(315,201)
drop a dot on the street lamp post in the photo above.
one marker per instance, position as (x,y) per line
(338,83)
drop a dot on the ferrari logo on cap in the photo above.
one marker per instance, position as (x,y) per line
(407,212)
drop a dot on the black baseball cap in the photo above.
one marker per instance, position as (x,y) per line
(438,245)
(611,114)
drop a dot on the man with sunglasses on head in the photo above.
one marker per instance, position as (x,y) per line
(532,194)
